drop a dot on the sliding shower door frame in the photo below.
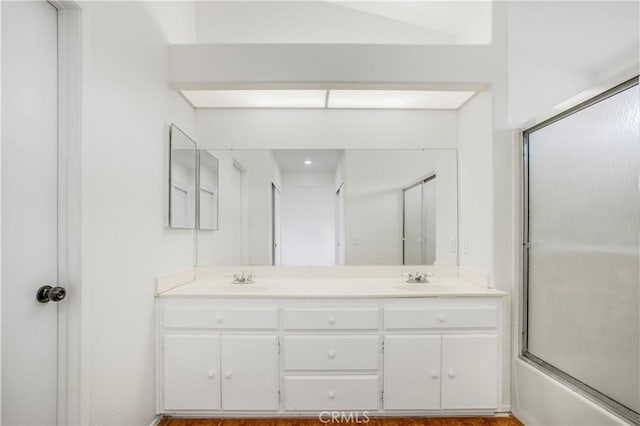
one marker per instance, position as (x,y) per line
(420,182)
(563,377)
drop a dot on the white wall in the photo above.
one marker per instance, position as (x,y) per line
(475,164)
(308,219)
(558,49)
(127,108)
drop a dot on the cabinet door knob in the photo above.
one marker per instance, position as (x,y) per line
(219,319)
(331,353)
(332,394)
(211,374)
(441,318)
(228,374)
(434,374)
(331,319)
(451,374)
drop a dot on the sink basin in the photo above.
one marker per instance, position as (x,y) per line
(422,287)
(239,288)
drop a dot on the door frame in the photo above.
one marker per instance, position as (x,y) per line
(73,377)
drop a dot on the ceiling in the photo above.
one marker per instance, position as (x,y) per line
(322,160)
(357,22)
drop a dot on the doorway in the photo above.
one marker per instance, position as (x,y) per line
(31,372)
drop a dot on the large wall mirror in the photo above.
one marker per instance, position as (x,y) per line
(333,207)
(182,179)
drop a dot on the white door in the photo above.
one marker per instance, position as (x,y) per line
(429,222)
(469,371)
(412,372)
(340,227)
(236,220)
(249,369)
(191,365)
(29,212)
(412,229)
(276,199)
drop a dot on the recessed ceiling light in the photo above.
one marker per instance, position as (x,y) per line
(407,99)
(256,98)
(307,162)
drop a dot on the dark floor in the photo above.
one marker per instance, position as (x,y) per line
(384,421)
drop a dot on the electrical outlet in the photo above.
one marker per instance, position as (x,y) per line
(452,246)
(465,246)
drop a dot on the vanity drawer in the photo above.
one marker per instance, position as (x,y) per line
(221,318)
(330,319)
(331,352)
(331,393)
(444,317)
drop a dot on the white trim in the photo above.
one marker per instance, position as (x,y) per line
(0,213)
(73,374)
(156,420)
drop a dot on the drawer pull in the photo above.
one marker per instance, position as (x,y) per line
(219,319)
(451,374)
(332,394)
(441,318)
(211,374)
(331,353)
(331,319)
(434,374)
(228,374)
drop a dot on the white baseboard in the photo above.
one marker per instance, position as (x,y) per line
(156,420)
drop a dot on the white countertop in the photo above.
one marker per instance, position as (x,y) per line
(330,288)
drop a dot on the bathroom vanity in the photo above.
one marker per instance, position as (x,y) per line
(295,346)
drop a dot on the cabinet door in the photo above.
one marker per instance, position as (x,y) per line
(469,371)
(191,372)
(412,372)
(249,372)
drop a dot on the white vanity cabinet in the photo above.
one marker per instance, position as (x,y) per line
(191,371)
(331,358)
(249,367)
(412,372)
(217,357)
(302,356)
(442,355)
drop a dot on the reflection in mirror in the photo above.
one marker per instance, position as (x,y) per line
(182,179)
(334,207)
(207,191)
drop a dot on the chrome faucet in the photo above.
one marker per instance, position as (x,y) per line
(418,277)
(243,278)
